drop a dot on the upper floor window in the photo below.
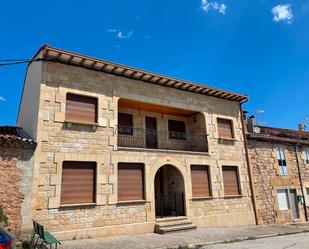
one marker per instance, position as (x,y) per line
(283,168)
(231,181)
(307,155)
(81,109)
(225,128)
(177,130)
(125,124)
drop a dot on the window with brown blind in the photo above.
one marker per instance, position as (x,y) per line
(230,180)
(78,182)
(125,124)
(200,179)
(177,129)
(225,128)
(130,181)
(81,109)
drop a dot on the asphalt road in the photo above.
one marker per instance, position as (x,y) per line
(296,241)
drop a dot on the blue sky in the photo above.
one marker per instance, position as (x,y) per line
(257,47)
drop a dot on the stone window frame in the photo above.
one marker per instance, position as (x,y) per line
(102,104)
(242,176)
(212,164)
(101,178)
(113,178)
(237,128)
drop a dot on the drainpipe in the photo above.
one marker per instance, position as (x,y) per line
(248,164)
(300,180)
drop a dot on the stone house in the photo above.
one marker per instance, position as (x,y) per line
(279,161)
(16,169)
(121,149)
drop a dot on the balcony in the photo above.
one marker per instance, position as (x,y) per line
(130,137)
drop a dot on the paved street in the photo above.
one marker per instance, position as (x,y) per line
(296,241)
(202,237)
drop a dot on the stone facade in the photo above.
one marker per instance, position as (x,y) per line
(267,179)
(16,164)
(59,141)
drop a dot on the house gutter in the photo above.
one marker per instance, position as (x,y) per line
(248,163)
(300,180)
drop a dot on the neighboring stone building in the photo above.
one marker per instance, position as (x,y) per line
(279,161)
(119,147)
(16,167)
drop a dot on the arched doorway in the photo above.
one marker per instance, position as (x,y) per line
(169,192)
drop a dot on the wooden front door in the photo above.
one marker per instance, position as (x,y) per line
(151,133)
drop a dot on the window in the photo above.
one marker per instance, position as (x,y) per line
(283,199)
(307,155)
(81,108)
(283,168)
(200,181)
(230,180)
(177,129)
(78,182)
(130,181)
(225,128)
(125,124)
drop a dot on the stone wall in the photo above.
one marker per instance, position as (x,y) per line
(58,142)
(266,179)
(15,186)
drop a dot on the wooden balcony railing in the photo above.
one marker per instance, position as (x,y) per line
(155,139)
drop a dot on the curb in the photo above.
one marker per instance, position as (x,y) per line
(238,239)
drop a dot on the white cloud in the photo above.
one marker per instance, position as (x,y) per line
(282,13)
(2,98)
(207,5)
(120,34)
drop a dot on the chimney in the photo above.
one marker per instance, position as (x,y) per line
(251,124)
(244,115)
(301,127)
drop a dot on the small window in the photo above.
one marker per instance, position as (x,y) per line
(81,108)
(200,181)
(230,180)
(225,128)
(307,192)
(177,130)
(283,168)
(125,124)
(130,181)
(283,199)
(78,182)
(307,155)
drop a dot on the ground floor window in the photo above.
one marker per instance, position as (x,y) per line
(231,180)
(130,181)
(283,199)
(78,182)
(200,181)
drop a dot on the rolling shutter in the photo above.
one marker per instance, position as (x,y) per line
(78,182)
(81,108)
(225,128)
(200,181)
(230,179)
(130,181)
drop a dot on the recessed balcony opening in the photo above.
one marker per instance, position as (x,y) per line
(152,126)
